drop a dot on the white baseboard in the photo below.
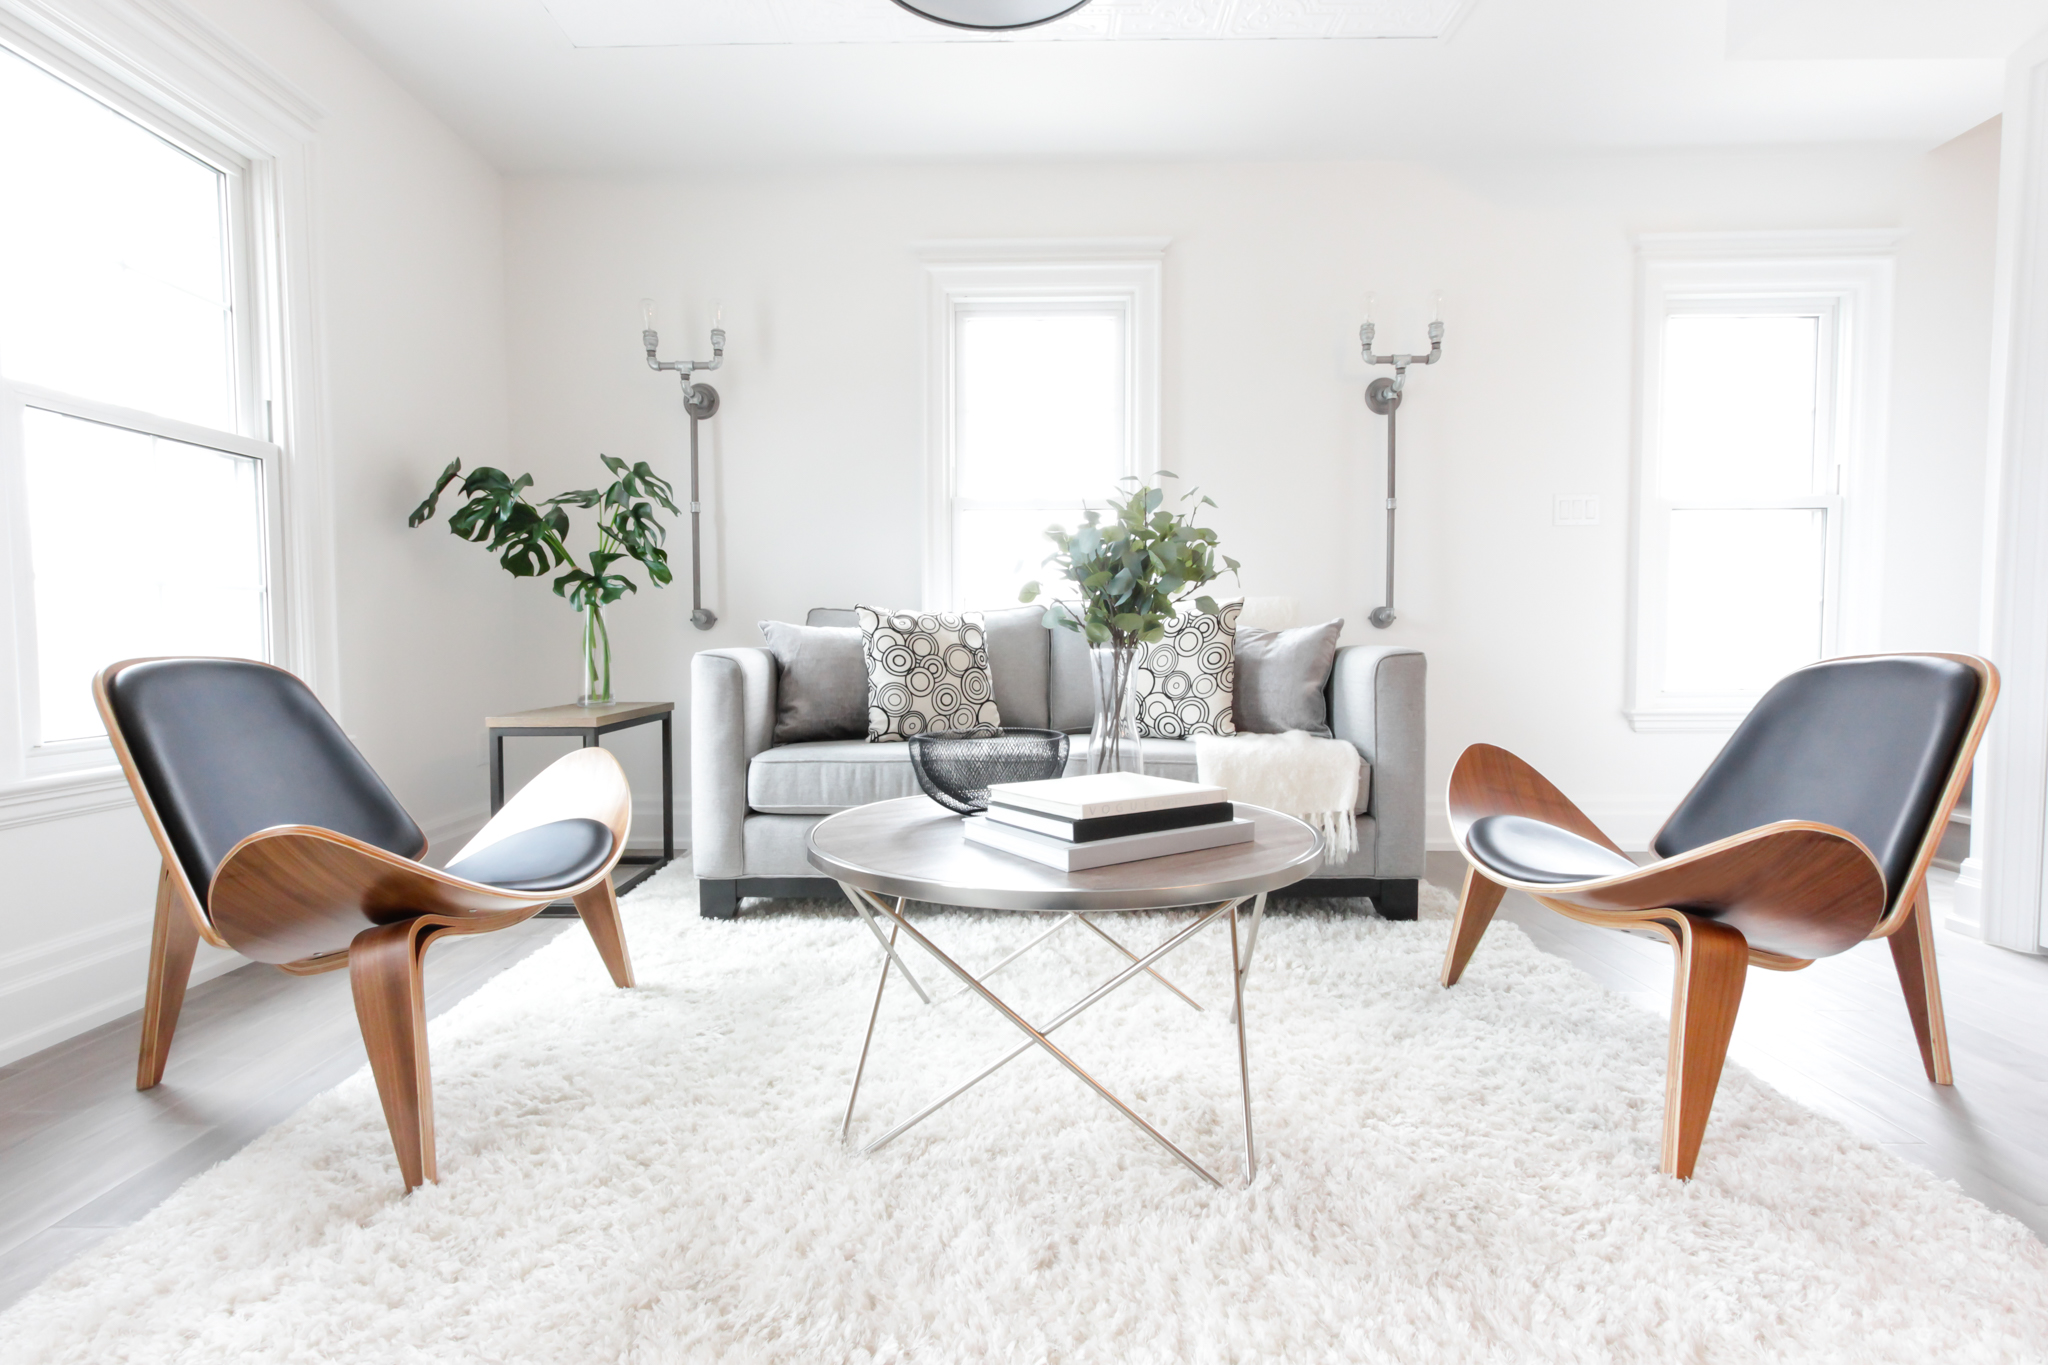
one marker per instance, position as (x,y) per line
(1966,909)
(110,953)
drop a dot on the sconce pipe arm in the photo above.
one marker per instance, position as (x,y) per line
(686,368)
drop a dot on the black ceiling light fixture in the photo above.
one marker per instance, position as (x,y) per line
(989,15)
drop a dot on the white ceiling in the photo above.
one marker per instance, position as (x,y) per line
(1512,75)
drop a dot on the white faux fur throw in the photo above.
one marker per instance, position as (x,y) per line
(1295,773)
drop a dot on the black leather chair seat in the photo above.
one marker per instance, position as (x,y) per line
(540,859)
(1526,850)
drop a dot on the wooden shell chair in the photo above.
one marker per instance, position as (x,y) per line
(281,843)
(1810,832)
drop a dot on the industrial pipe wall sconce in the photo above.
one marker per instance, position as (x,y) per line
(701,402)
(1383,396)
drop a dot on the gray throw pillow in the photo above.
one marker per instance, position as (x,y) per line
(822,685)
(1282,676)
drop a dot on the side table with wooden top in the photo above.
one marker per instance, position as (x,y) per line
(590,724)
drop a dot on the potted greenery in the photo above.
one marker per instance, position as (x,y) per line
(532,539)
(1128,576)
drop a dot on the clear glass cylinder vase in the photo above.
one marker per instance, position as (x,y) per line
(1113,742)
(597,658)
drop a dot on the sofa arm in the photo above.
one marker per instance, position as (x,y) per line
(1377,703)
(732,718)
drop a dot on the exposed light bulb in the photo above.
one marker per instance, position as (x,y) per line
(1436,306)
(717,313)
(1370,301)
(647,315)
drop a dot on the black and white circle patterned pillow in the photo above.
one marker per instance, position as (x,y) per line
(1182,684)
(927,670)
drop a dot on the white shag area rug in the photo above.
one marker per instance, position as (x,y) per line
(655,1175)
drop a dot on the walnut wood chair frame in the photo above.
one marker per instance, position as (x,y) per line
(309,900)
(1778,896)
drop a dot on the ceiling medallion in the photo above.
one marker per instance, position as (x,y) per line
(991,14)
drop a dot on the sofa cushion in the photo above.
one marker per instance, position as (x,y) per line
(927,673)
(839,774)
(827,776)
(821,687)
(1181,683)
(1283,678)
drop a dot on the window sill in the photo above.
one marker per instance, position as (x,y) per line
(1710,720)
(64,796)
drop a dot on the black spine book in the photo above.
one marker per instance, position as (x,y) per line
(1111,826)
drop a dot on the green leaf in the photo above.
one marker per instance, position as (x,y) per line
(1029,592)
(425,511)
(1208,605)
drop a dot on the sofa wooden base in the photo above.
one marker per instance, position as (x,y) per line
(719,898)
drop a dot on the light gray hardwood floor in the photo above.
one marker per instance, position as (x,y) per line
(1835,1037)
(83,1154)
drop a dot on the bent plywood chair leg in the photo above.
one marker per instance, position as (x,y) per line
(1713,961)
(1912,945)
(599,907)
(384,974)
(1475,912)
(171,945)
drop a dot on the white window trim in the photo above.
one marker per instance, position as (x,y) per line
(1848,272)
(962,274)
(163,62)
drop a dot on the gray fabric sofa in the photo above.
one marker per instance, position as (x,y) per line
(753,802)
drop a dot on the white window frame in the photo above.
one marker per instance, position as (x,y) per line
(174,74)
(964,277)
(1845,279)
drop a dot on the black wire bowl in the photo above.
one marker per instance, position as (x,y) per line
(955,767)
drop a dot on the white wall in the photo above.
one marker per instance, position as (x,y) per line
(814,462)
(408,257)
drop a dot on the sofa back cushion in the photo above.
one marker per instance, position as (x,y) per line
(1070,695)
(1017,661)
(1017,649)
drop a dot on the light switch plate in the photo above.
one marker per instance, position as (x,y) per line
(1576,509)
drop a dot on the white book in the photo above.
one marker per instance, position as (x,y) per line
(1100,794)
(1131,848)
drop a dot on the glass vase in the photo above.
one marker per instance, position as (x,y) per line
(1113,742)
(597,658)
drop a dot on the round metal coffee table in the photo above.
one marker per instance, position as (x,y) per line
(892,852)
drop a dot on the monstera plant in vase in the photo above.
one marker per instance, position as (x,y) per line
(531,539)
(1126,574)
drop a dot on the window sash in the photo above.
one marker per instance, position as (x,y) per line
(37,756)
(252,277)
(1851,299)
(964,279)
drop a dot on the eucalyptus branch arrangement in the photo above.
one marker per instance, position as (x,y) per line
(1130,574)
(531,539)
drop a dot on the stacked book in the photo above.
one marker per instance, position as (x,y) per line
(1074,823)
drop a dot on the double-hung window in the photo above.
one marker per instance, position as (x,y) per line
(138,483)
(1044,393)
(1759,454)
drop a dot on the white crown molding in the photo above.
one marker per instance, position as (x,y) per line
(1007,250)
(164,50)
(1797,244)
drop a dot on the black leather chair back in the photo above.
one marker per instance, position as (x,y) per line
(1865,745)
(227,747)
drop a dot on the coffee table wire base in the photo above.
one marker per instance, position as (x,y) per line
(874,909)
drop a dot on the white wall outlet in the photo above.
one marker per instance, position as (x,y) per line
(1576,509)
